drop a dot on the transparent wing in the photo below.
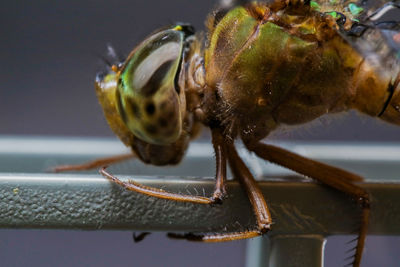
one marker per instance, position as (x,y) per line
(374,31)
(377,35)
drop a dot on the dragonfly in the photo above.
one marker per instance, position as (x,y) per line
(261,65)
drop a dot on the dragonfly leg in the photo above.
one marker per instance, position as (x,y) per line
(331,176)
(246,179)
(260,207)
(154,192)
(98,163)
(220,157)
(220,177)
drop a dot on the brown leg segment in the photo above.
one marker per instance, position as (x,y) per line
(246,179)
(257,200)
(331,176)
(220,157)
(98,163)
(219,191)
(154,192)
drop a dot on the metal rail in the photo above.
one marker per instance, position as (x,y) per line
(303,211)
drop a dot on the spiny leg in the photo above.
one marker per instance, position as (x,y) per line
(257,200)
(98,163)
(215,237)
(331,176)
(154,192)
(220,178)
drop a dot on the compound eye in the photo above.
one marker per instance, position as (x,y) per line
(149,98)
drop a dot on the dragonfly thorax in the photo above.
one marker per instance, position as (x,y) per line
(269,68)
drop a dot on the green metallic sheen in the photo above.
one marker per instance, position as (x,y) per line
(334,14)
(354,9)
(314,5)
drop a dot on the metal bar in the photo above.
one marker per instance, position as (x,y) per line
(92,202)
(303,212)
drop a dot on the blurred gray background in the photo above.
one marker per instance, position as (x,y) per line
(49,56)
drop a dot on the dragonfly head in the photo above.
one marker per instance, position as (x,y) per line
(150,93)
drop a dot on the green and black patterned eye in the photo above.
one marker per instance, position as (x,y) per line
(149,96)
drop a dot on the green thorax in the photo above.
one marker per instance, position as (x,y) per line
(257,60)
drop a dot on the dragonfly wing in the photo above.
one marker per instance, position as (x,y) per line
(374,31)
